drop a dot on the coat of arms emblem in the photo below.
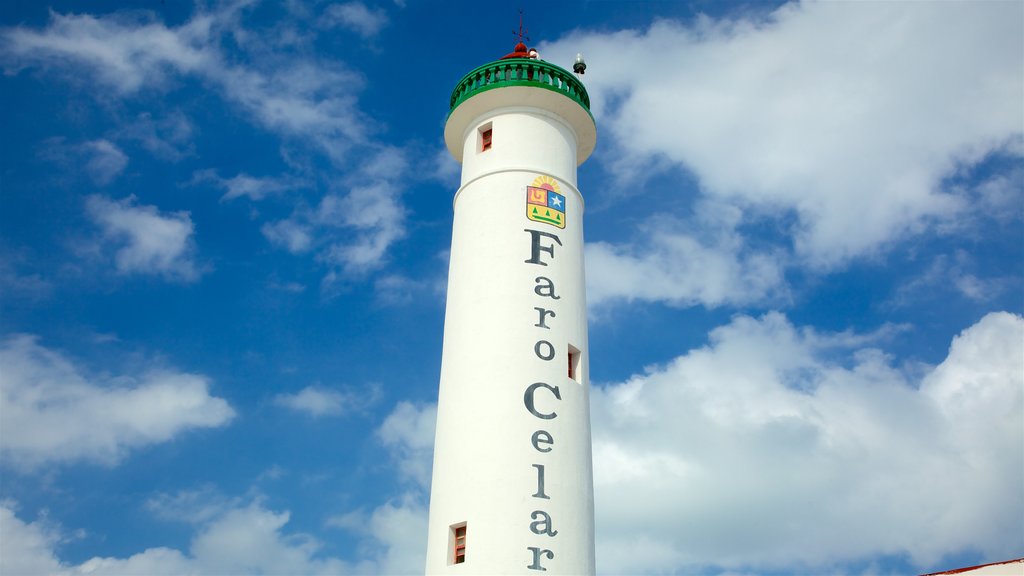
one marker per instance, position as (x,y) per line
(544,202)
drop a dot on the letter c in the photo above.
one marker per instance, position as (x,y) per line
(528,399)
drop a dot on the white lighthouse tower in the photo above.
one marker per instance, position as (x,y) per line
(512,488)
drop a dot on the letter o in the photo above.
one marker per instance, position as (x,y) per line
(540,344)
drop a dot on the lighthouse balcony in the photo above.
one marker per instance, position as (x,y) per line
(520,72)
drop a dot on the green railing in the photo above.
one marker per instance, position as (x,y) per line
(519,72)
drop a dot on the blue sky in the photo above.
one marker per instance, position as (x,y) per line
(223,251)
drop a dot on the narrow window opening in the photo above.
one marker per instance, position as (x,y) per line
(574,363)
(486,134)
(457,545)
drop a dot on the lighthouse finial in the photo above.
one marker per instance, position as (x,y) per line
(521,34)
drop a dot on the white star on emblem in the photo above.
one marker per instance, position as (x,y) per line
(556,202)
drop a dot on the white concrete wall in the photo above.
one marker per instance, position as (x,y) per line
(485,463)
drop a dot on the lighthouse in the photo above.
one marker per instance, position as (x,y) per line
(512,488)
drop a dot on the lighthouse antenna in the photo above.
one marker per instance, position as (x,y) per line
(521,34)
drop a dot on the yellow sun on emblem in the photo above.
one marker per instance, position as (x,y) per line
(546,182)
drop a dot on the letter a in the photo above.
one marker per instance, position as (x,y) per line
(544,520)
(545,284)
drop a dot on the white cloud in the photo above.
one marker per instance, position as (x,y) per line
(948,273)
(1002,195)
(401,528)
(974,288)
(315,401)
(318,401)
(199,506)
(53,413)
(355,16)
(255,188)
(289,287)
(308,101)
(847,115)
(399,535)
(258,188)
(293,234)
(352,229)
(152,562)
(100,160)
(775,446)
(146,240)
(409,433)
(234,536)
(373,209)
(250,540)
(242,539)
(26,548)
(17,282)
(301,99)
(396,289)
(168,137)
(397,529)
(294,96)
(672,264)
(124,53)
(445,169)
(105,161)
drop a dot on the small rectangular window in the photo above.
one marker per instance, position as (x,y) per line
(458,544)
(574,363)
(486,135)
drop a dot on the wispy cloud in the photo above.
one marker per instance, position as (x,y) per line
(125,53)
(949,274)
(253,187)
(318,401)
(309,102)
(292,234)
(372,207)
(144,240)
(167,137)
(398,290)
(355,16)
(294,97)
(19,280)
(105,161)
(100,160)
(351,228)
(301,99)
(192,506)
